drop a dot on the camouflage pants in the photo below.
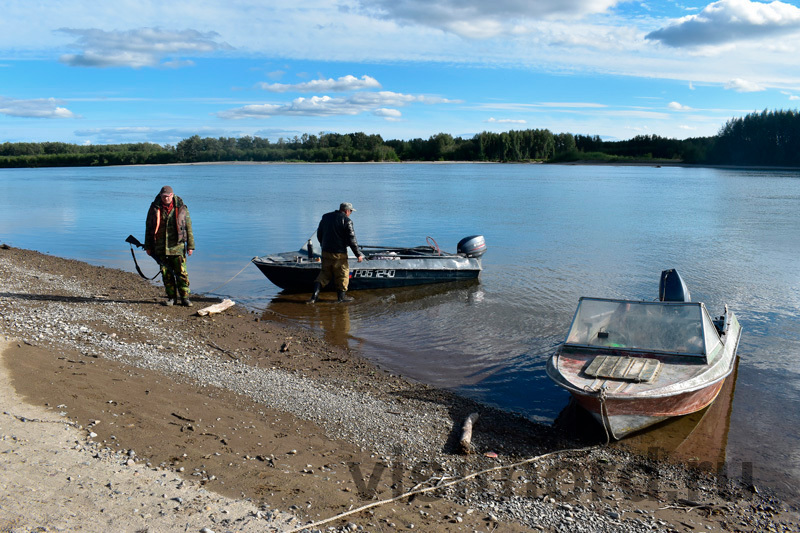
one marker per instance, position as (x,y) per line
(334,267)
(174,276)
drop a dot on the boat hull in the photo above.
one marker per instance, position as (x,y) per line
(625,416)
(299,275)
(627,387)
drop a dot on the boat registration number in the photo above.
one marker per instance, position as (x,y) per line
(373,273)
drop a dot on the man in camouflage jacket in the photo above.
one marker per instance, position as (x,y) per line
(169,239)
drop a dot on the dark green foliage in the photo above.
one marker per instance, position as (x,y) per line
(766,138)
(74,155)
(648,147)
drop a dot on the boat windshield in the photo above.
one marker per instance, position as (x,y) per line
(670,327)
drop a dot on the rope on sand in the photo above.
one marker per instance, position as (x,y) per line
(438,486)
(26,419)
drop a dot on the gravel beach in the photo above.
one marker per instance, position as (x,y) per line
(118,410)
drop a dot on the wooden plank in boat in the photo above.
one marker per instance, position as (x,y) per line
(638,369)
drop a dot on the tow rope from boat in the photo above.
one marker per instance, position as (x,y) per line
(133,241)
(436,483)
(603,396)
(215,289)
(433,244)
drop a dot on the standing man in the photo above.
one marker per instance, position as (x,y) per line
(169,239)
(336,234)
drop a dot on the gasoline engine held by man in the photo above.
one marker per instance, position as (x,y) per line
(336,233)
(169,239)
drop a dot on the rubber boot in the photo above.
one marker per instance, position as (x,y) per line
(343,297)
(315,294)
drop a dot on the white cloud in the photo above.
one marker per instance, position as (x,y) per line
(542,36)
(178,63)
(147,134)
(388,114)
(479,19)
(317,106)
(345,83)
(743,86)
(142,47)
(493,120)
(637,113)
(396,99)
(675,106)
(36,108)
(511,106)
(728,21)
(529,41)
(572,104)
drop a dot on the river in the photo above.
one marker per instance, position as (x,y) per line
(554,233)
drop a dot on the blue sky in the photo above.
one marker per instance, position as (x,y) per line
(119,71)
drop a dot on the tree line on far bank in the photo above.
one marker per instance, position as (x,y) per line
(769,138)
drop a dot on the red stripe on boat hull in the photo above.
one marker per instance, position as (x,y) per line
(626,415)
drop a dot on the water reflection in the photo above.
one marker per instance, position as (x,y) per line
(335,320)
(326,316)
(699,438)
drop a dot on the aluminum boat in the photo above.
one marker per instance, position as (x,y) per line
(382,267)
(632,363)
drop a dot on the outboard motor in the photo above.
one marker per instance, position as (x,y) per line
(473,246)
(672,288)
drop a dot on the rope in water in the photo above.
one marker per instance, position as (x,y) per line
(234,276)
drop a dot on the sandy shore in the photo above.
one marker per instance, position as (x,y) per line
(116,409)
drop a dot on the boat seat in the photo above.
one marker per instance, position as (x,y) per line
(637,369)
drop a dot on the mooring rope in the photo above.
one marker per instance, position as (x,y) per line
(604,414)
(437,487)
(234,276)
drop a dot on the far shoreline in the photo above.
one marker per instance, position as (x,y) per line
(580,162)
(656,163)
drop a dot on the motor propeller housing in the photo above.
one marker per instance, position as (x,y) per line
(472,246)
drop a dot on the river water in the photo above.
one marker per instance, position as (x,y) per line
(554,234)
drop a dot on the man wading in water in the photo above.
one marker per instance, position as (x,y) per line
(169,239)
(335,233)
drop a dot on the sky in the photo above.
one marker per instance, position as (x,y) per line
(119,71)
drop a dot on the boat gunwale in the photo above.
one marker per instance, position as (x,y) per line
(276,259)
(269,257)
(694,358)
(556,375)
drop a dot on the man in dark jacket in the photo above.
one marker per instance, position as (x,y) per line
(335,233)
(168,239)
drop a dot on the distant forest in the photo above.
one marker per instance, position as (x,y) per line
(769,138)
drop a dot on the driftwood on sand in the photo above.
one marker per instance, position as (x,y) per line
(465,444)
(216,308)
